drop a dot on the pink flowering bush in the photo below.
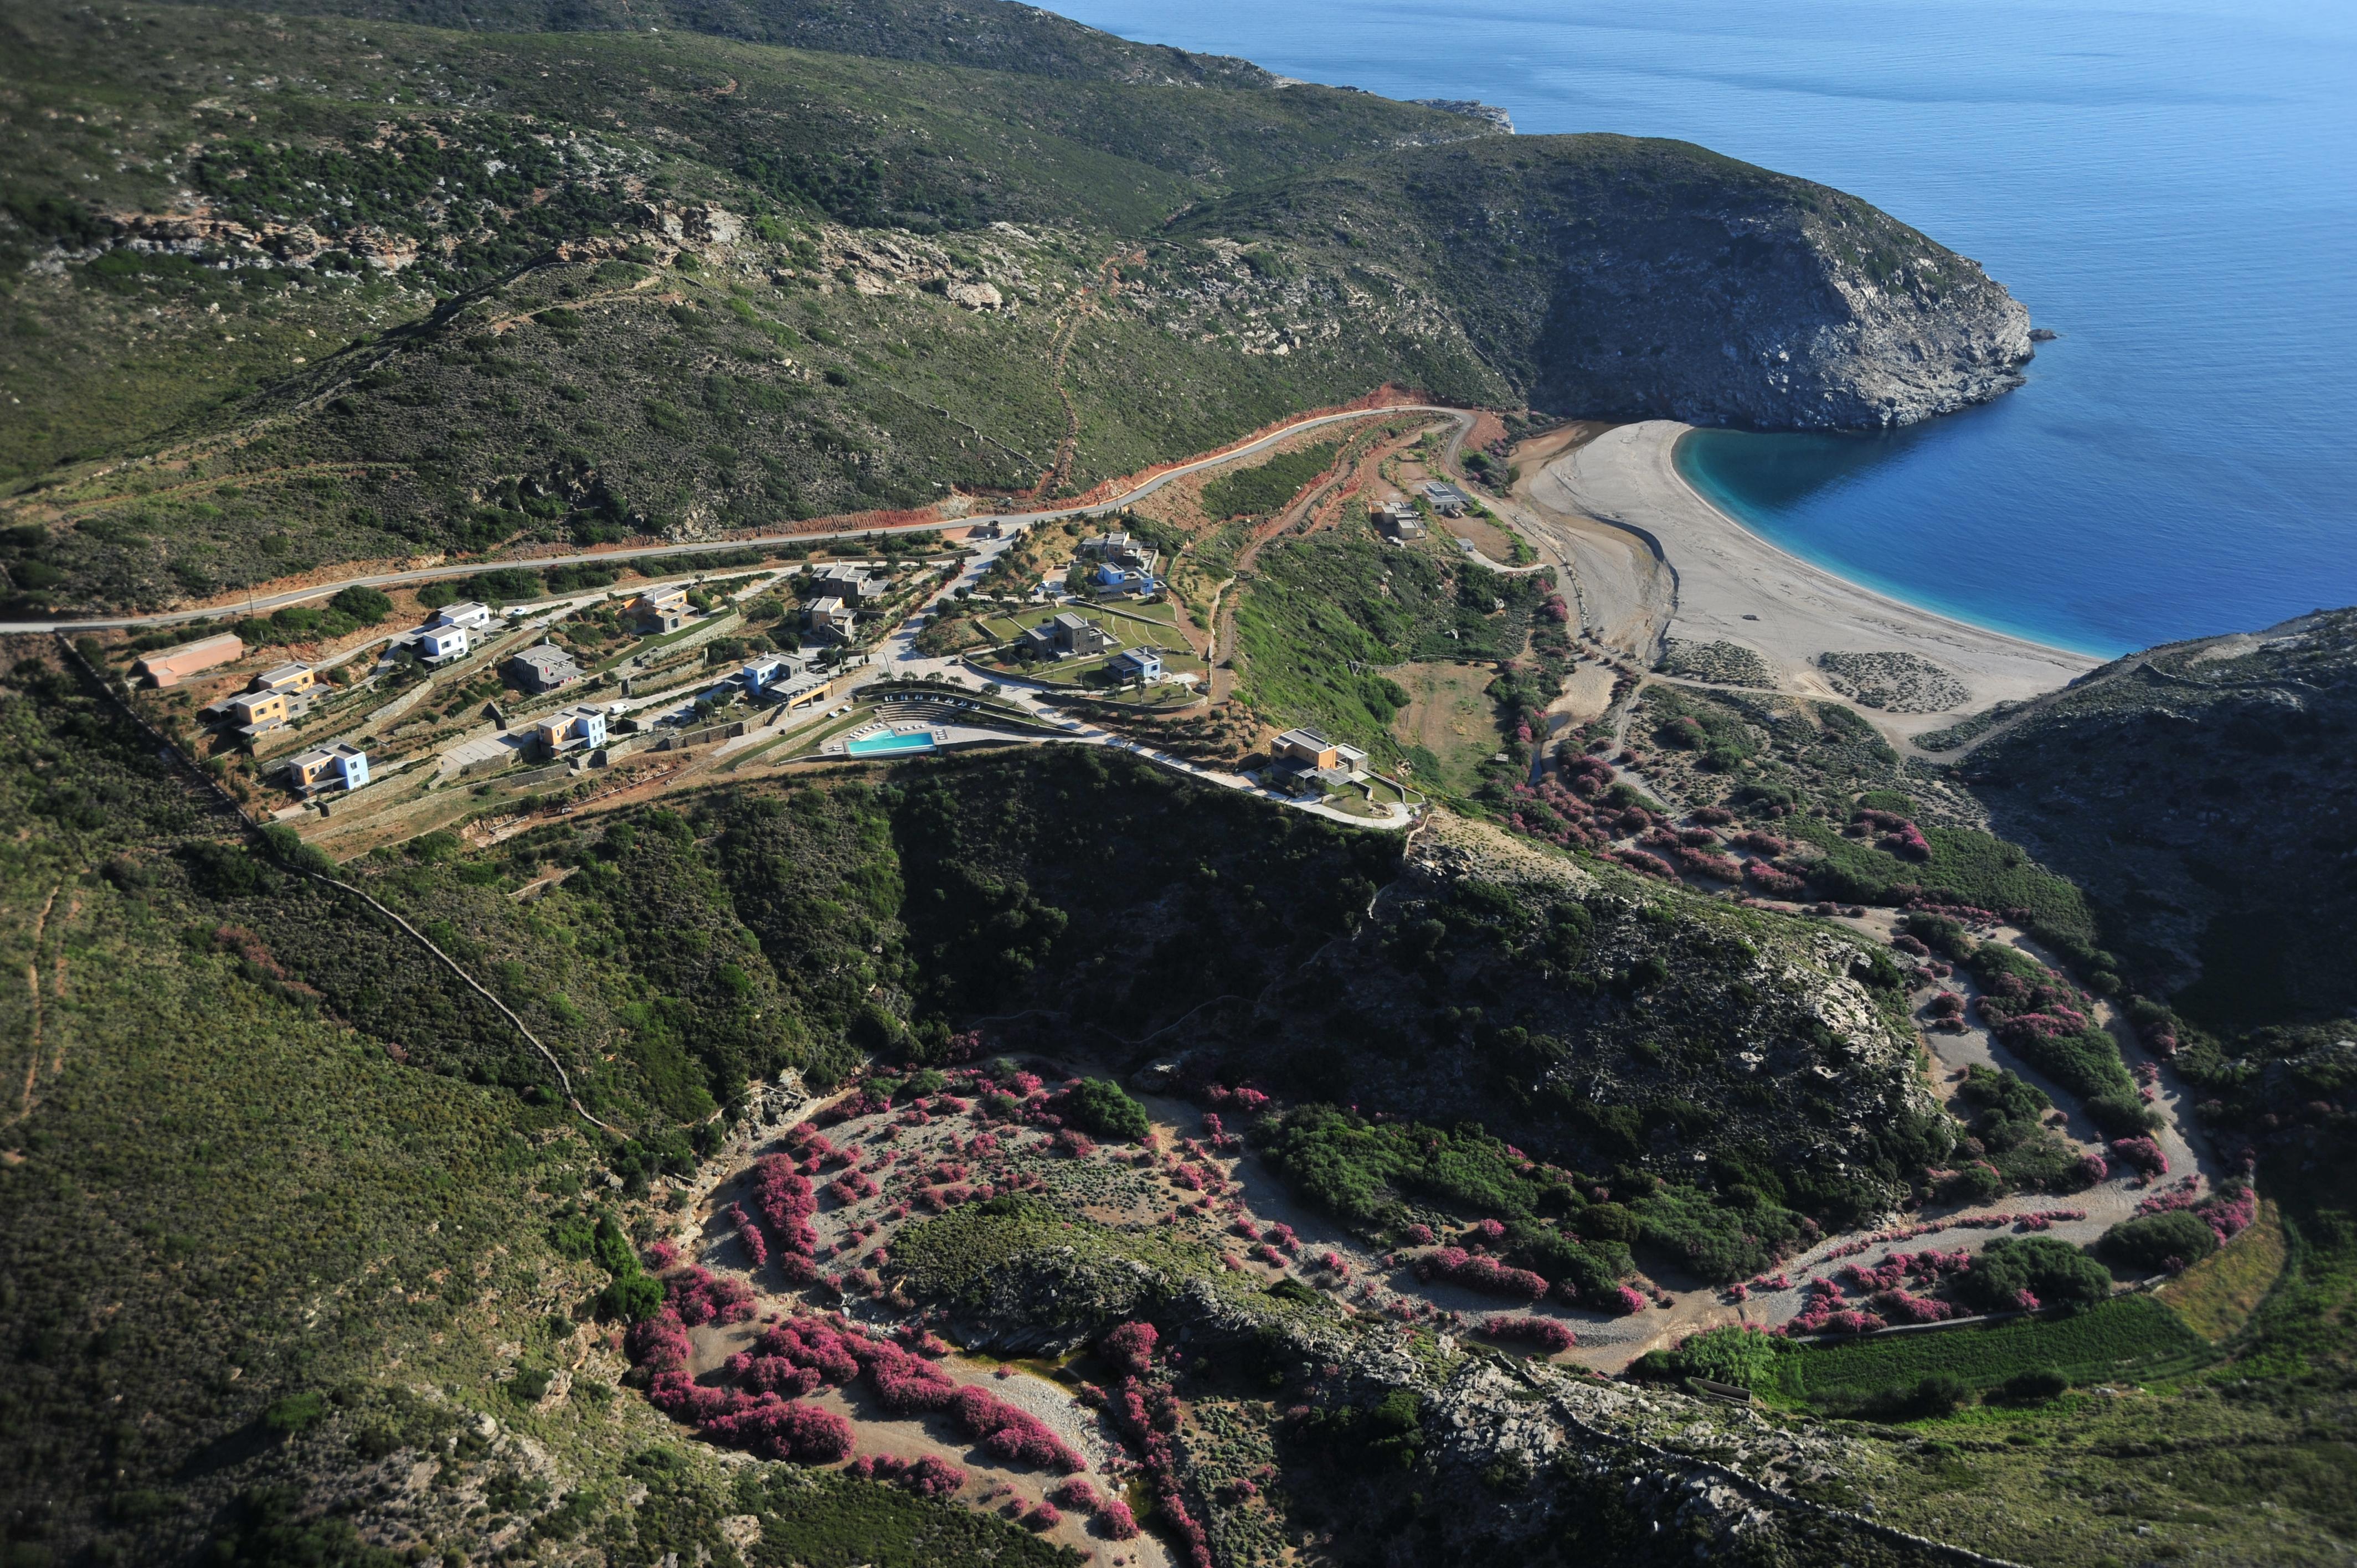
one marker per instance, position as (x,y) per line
(1703,862)
(1011,1433)
(1076,1493)
(2140,1154)
(697,1297)
(1638,860)
(755,1244)
(779,1429)
(782,1197)
(1626,1300)
(1550,1335)
(851,1187)
(1462,1268)
(1117,1522)
(1904,1307)
(933,1477)
(1130,1348)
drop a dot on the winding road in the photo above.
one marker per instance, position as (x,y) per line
(608,557)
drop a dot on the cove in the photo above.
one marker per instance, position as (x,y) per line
(2170,185)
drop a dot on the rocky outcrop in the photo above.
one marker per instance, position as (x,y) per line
(1609,276)
(1719,293)
(1472,108)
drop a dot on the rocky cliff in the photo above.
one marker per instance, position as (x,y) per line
(1613,276)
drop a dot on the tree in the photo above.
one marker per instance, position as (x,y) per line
(1100,1106)
(2033,1270)
(364,605)
(2152,1241)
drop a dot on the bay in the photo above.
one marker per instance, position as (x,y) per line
(2170,186)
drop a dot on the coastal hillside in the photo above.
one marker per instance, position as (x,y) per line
(1610,277)
(989,35)
(327,291)
(2196,792)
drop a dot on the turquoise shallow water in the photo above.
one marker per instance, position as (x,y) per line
(888,745)
(2170,186)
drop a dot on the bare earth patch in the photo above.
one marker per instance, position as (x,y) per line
(1448,716)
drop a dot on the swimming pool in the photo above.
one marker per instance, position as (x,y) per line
(888,745)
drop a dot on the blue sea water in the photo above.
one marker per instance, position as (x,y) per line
(2171,185)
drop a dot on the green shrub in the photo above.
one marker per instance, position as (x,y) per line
(2055,1273)
(2033,1387)
(296,1412)
(2155,1242)
(1099,1105)
(362,604)
(1736,1354)
(632,1300)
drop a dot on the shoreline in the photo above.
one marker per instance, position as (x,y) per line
(1727,584)
(1893,596)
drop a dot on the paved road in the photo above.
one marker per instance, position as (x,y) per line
(609,557)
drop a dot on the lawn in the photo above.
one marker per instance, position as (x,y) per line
(2129,1338)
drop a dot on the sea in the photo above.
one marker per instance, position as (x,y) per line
(2169,186)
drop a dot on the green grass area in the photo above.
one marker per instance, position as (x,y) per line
(830,1520)
(1265,487)
(2217,1295)
(606,411)
(2127,1339)
(1316,606)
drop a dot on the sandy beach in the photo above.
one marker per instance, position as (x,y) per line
(1657,563)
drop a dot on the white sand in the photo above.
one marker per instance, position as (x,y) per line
(1655,560)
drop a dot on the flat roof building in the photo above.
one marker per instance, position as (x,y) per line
(831,614)
(173,665)
(324,766)
(659,609)
(577,728)
(1137,664)
(259,712)
(542,668)
(285,678)
(466,612)
(1303,748)
(767,671)
(438,643)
